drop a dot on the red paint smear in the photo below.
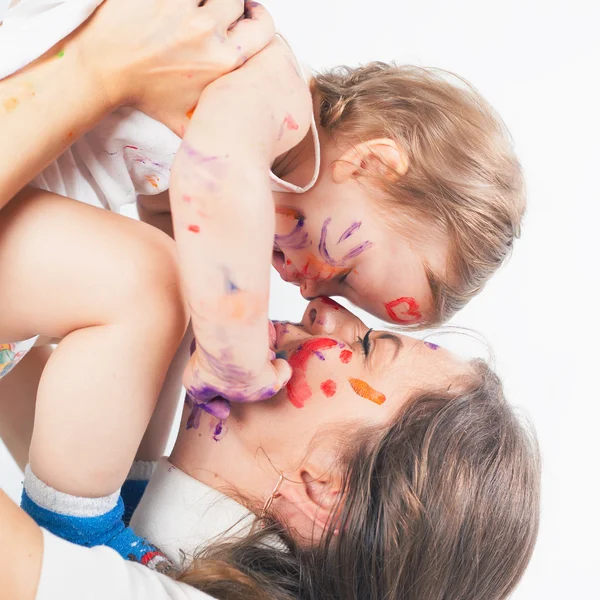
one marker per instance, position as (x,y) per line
(194,228)
(412,314)
(330,302)
(288,262)
(329,387)
(346,356)
(186,198)
(290,123)
(363,389)
(298,389)
(132,147)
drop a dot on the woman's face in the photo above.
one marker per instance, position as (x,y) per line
(343,374)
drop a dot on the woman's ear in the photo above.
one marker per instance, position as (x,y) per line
(316,497)
(382,156)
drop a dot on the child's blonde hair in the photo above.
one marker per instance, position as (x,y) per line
(463,174)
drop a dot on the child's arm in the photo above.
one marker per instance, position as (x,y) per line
(224,221)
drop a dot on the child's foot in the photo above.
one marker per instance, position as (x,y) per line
(88,521)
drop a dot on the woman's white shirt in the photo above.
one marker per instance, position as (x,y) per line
(71,572)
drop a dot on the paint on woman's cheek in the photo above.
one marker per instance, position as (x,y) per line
(297,388)
(346,356)
(363,389)
(403,310)
(329,388)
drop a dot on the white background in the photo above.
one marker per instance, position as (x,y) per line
(538,62)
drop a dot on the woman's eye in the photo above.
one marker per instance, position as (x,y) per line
(365,342)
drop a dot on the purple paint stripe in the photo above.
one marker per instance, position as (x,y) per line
(356,251)
(354,227)
(323,243)
(295,240)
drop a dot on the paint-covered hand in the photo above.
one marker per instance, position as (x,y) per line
(267,103)
(213,382)
(158,55)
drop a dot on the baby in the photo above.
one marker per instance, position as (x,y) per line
(417,203)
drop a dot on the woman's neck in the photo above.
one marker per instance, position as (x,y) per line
(214,455)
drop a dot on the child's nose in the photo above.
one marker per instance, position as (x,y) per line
(309,289)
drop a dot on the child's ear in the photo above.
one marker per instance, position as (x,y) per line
(383,157)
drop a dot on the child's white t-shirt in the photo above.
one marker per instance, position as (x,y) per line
(71,572)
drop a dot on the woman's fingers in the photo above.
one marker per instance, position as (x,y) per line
(251,35)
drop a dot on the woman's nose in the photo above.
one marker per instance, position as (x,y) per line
(325,316)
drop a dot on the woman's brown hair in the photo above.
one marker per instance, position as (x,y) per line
(442,505)
(464,181)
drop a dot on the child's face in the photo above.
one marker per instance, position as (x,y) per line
(333,241)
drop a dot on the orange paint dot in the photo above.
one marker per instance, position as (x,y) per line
(190,113)
(152,180)
(363,389)
(10,104)
(194,228)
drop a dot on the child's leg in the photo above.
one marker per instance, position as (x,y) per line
(18,390)
(109,286)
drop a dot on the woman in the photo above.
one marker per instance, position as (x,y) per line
(430,489)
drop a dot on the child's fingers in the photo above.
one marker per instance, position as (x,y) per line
(224,12)
(219,408)
(253,34)
(283,370)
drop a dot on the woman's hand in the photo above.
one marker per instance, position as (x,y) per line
(158,55)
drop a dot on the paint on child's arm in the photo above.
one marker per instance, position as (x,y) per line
(288,123)
(190,113)
(431,345)
(194,228)
(363,389)
(403,310)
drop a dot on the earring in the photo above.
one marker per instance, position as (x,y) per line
(274,495)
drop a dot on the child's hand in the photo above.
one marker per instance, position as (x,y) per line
(158,55)
(266,103)
(210,380)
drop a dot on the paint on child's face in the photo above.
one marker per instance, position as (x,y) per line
(403,310)
(329,388)
(60,54)
(194,228)
(431,345)
(10,104)
(297,239)
(297,388)
(289,123)
(353,253)
(363,389)
(190,113)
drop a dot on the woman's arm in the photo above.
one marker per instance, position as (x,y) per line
(224,221)
(112,60)
(21,548)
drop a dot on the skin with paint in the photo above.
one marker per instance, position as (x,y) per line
(330,240)
(299,428)
(333,241)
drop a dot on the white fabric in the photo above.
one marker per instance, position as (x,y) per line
(71,572)
(65,504)
(178,513)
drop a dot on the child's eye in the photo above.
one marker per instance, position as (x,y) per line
(365,342)
(342,278)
